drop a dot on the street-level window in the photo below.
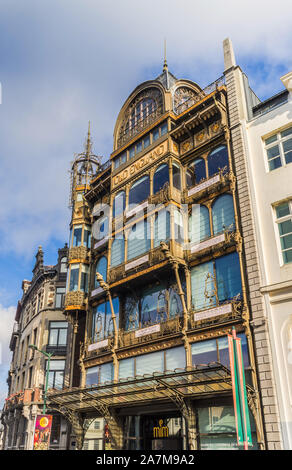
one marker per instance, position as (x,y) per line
(279,149)
(284,221)
(100,374)
(58,333)
(56,374)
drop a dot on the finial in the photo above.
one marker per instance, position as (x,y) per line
(165,61)
(88,146)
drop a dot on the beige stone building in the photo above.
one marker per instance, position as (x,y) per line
(39,320)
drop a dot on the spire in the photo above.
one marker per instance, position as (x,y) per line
(88,145)
(165,67)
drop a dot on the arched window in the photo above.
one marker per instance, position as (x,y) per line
(217,160)
(161,176)
(161,226)
(119,204)
(199,224)
(101,268)
(196,172)
(141,111)
(138,239)
(139,190)
(117,251)
(223,213)
(176,180)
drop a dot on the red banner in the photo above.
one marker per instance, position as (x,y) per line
(42,432)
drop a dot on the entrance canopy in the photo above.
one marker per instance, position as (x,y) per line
(185,383)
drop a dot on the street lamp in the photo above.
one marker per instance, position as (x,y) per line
(48,355)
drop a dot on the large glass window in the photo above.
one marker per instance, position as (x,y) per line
(152,305)
(58,333)
(161,177)
(63,265)
(119,204)
(139,239)
(217,160)
(101,228)
(178,226)
(284,222)
(223,214)
(87,237)
(84,278)
(118,161)
(216,350)
(161,226)
(216,281)
(101,268)
(60,297)
(118,251)
(279,149)
(199,224)
(100,374)
(102,323)
(139,191)
(74,277)
(196,172)
(56,373)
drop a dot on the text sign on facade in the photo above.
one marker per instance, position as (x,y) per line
(147,331)
(100,344)
(213,312)
(140,164)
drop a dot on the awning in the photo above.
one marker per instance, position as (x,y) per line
(186,383)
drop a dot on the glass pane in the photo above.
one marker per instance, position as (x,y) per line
(161,227)
(106,372)
(139,239)
(273,152)
(228,276)
(118,251)
(218,159)
(287,146)
(92,374)
(204,352)
(63,337)
(119,204)
(149,363)
(53,337)
(131,313)
(196,171)
(101,268)
(282,210)
(176,177)
(285,227)
(74,275)
(98,322)
(139,191)
(56,365)
(87,237)
(132,151)
(126,368)
(223,214)
(202,279)
(153,305)
(175,304)
(286,132)
(244,347)
(155,134)
(175,358)
(271,139)
(275,163)
(286,242)
(163,128)
(223,351)
(146,141)
(59,379)
(216,419)
(139,147)
(77,236)
(161,177)
(199,224)
(287,256)
(220,442)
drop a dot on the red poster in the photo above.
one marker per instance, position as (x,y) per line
(42,432)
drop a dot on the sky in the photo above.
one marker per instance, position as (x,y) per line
(65,62)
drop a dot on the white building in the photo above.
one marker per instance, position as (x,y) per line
(267,134)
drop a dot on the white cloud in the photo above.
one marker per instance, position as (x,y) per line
(6,325)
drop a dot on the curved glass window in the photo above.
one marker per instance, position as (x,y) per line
(161,176)
(101,268)
(118,251)
(139,191)
(223,214)
(84,278)
(199,224)
(217,160)
(176,180)
(153,306)
(228,276)
(119,204)
(138,239)
(196,172)
(141,111)
(161,227)
(77,235)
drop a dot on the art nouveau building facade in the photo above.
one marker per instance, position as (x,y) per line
(39,320)
(159,273)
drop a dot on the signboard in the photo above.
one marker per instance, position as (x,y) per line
(100,344)
(42,432)
(213,312)
(147,331)
(239,391)
(160,431)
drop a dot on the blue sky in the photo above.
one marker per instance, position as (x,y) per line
(65,62)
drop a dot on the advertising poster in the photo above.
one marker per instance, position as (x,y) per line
(42,432)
